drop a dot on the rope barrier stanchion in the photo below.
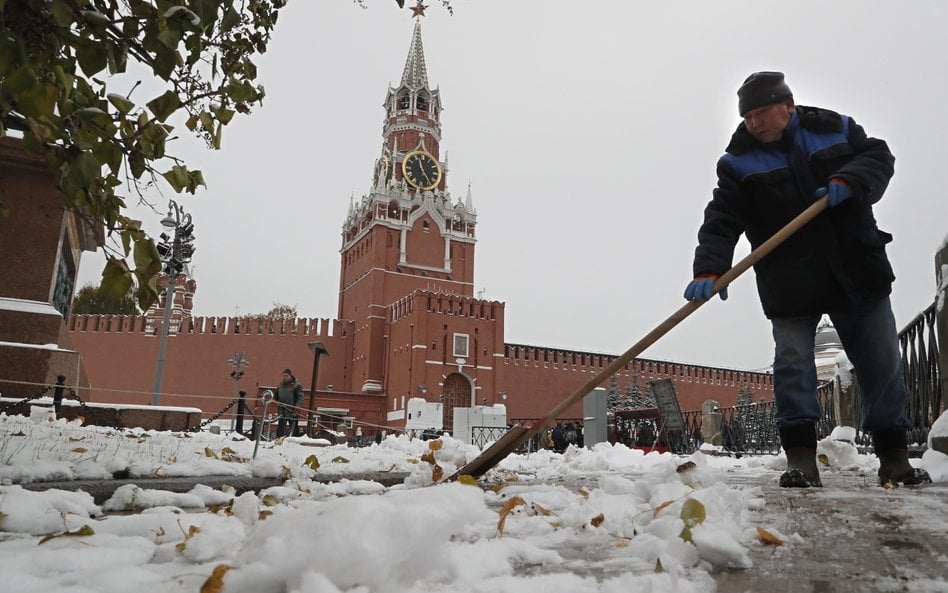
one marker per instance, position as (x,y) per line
(267,398)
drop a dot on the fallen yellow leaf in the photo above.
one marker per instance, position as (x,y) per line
(215,582)
(83,531)
(692,512)
(597,520)
(540,510)
(467,480)
(435,445)
(192,531)
(662,507)
(505,510)
(768,538)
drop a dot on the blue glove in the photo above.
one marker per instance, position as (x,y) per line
(700,289)
(837,190)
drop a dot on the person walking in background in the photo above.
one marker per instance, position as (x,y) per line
(782,158)
(559,438)
(290,399)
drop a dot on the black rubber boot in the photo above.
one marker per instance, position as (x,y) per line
(891,447)
(799,443)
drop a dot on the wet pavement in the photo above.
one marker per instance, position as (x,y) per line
(856,537)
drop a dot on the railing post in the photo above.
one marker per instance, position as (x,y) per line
(941,315)
(58,394)
(267,398)
(241,403)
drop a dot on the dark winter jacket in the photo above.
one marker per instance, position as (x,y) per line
(290,392)
(836,259)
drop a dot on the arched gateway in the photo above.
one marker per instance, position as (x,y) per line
(457,392)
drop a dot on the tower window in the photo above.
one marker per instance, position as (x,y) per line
(404,101)
(425,225)
(421,103)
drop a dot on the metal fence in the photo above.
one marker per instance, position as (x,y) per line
(482,435)
(751,428)
(920,366)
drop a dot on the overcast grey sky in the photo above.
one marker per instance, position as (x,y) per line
(589,132)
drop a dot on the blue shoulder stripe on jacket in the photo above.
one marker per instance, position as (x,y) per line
(755,161)
(764,160)
(812,141)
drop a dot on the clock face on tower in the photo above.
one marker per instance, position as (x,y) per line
(421,170)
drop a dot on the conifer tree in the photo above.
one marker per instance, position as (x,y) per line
(613,402)
(634,396)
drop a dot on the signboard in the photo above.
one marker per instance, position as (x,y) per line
(667,401)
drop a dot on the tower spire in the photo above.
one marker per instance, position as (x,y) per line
(415,75)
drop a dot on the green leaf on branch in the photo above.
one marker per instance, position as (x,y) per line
(183,180)
(146,256)
(224,115)
(92,57)
(116,278)
(19,81)
(231,19)
(61,12)
(177,176)
(164,105)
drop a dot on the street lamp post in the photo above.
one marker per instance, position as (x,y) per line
(318,349)
(238,360)
(175,252)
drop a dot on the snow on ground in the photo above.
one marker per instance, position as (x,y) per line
(649,522)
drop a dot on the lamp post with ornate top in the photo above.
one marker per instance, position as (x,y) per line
(175,252)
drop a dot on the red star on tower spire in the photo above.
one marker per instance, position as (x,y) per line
(418,9)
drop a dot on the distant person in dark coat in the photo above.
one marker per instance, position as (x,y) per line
(559,438)
(290,398)
(782,158)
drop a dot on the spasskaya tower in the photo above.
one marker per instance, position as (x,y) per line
(408,232)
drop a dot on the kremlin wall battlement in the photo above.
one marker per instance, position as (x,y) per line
(445,304)
(311,327)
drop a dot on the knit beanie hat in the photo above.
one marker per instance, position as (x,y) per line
(288,372)
(762,88)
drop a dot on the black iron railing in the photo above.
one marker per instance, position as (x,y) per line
(922,373)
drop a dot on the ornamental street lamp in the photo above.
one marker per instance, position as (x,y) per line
(175,252)
(238,360)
